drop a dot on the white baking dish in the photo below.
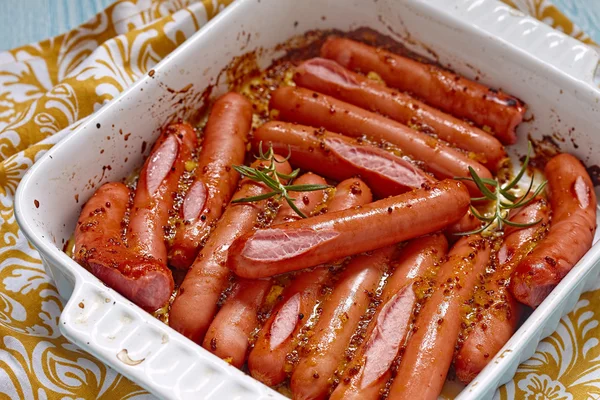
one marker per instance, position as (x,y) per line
(550,71)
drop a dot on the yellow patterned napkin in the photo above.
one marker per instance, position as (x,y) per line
(48,88)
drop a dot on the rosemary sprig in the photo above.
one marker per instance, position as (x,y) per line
(272,179)
(499,193)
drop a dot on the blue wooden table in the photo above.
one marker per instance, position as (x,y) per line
(26,21)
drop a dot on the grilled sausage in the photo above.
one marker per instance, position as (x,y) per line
(195,306)
(499,310)
(330,78)
(339,157)
(311,108)
(156,188)
(223,145)
(437,87)
(340,316)
(428,354)
(573,203)
(279,335)
(325,238)
(368,372)
(229,333)
(100,246)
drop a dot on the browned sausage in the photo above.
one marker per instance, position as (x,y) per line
(156,188)
(573,203)
(223,145)
(99,246)
(428,354)
(438,87)
(341,313)
(497,307)
(195,306)
(330,78)
(325,238)
(339,157)
(467,223)
(229,333)
(368,372)
(310,108)
(278,337)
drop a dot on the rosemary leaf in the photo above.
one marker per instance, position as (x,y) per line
(481,186)
(306,187)
(255,198)
(293,205)
(517,178)
(516,225)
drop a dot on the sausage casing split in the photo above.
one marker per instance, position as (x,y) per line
(368,372)
(573,203)
(325,238)
(229,333)
(341,313)
(440,88)
(278,337)
(156,188)
(311,108)
(223,145)
(339,157)
(330,78)
(100,246)
(499,310)
(195,306)
(428,353)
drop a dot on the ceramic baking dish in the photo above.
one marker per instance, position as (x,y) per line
(478,38)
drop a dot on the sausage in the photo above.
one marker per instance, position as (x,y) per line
(306,202)
(99,246)
(330,78)
(195,306)
(339,157)
(306,107)
(573,204)
(228,334)
(156,189)
(368,372)
(350,193)
(223,145)
(428,353)
(467,223)
(278,337)
(325,238)
(341,313)
(438,87)
(499,310)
